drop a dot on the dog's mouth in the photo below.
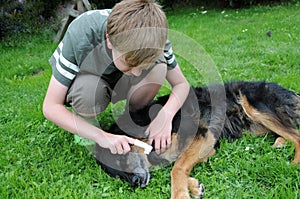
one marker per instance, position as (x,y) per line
(139,177)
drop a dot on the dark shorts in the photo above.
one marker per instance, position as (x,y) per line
(90,94)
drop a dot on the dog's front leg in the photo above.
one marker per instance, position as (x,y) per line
(199,151)
(180,175)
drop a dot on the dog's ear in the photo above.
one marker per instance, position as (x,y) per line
(156,160)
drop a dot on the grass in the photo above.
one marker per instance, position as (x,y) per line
(40,160)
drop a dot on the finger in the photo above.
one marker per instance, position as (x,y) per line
(150,141)
(163,144)
(162,150)
(159,151)
(130,140)
(126,148)
(120,149)
(157,144)
(113,150)
(169,141)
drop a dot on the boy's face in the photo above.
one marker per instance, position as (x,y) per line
(123,66)
(120,62)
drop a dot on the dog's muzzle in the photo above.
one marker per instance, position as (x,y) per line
(139,178)
(137,165)
(131,167)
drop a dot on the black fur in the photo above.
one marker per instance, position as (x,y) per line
(215,108)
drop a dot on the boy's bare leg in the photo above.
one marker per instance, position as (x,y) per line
(142,93)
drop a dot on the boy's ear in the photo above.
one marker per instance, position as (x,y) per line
(108,41)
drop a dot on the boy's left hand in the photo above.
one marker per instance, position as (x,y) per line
(159,131)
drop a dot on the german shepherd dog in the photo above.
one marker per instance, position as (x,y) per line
(221,111)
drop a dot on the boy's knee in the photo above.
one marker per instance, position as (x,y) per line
(142,96)
(89,95)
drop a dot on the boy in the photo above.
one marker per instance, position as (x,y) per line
(110,55)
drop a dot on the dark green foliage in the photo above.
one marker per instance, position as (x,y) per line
(104,4)
(25,16)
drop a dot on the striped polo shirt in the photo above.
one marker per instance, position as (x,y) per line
(83,50)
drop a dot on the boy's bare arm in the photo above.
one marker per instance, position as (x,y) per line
(55,111)
(160,129)
(180,90)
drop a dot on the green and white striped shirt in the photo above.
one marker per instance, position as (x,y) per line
(83,50)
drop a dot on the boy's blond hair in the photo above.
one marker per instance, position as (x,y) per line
(138,30)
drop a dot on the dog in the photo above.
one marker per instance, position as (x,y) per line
(219,111)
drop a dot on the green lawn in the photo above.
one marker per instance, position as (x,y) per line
(40,160)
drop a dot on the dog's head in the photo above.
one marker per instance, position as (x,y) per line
(131,167)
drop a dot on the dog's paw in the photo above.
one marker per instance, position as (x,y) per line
(279,142)
(196,190)
(200,190)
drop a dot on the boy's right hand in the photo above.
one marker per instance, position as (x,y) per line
(117,144)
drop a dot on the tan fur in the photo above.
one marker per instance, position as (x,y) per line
(274,125)
(203,147)
(193,187)
(172,153)
(199,151)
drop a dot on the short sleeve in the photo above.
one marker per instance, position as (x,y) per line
(169,55)
(82,36)
(62,61)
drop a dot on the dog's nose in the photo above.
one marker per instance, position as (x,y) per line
(135,181)
(140,177)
